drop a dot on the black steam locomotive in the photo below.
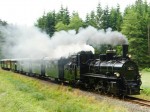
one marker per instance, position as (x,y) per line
(106,73)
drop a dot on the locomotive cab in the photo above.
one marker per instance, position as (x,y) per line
(77,66)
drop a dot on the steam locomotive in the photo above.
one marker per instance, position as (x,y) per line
(106,73)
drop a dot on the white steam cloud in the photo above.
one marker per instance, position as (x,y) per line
(30,42)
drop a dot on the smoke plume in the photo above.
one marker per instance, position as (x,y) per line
(31,42)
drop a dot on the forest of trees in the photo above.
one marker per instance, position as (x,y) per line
(133,23)
(63,20)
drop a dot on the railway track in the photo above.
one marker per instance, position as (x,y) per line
(139,101)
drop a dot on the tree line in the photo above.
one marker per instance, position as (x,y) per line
(133,23)
(63,20)
(2,23)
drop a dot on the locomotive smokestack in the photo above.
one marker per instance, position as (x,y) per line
(124,50)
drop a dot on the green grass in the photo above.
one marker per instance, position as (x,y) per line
(20,93)
(146,85)
(145,93)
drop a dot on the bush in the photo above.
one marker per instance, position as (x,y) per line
(146,69)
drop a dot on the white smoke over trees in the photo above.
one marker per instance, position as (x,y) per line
(30,42)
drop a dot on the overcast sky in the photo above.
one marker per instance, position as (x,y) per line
(26,12)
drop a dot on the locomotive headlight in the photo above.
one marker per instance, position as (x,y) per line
(129,55)
(117,74)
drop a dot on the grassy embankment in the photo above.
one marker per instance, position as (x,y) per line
(145,93)
(19,93)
